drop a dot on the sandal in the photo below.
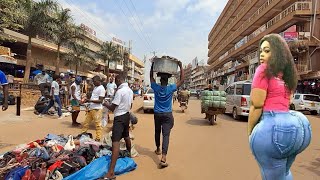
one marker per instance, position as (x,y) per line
(157,152)
(112,178)
(163,164)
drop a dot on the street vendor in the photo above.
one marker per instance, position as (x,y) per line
(163,117)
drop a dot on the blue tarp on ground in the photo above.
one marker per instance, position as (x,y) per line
(99,167)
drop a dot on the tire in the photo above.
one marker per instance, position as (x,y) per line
(211,120)
(235,115)
(292,107)
(314,112)
(145,111)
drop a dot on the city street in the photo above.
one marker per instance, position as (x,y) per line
(197,150)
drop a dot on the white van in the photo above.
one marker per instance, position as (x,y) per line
(238,99)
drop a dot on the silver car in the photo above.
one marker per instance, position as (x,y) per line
(238,99)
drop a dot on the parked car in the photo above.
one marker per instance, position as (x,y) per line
(193,92)
(148,100)
(238,99)
(11,99)
(306,102)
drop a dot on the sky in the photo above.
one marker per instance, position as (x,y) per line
(177,28)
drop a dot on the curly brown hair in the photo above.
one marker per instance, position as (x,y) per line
(281,61)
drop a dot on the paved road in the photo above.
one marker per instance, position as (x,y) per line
(197,150)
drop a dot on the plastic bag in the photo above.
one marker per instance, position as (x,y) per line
(100,167)
(70,144)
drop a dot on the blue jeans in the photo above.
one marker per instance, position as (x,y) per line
(56,98)
(276,141)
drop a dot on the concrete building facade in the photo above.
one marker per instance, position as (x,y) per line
(233,41)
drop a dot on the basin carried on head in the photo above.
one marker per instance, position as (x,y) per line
(165,64)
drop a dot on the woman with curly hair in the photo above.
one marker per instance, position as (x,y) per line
(276,135)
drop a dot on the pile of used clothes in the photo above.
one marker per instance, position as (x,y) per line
(56,157)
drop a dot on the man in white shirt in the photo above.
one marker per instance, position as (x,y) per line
(95,108)
(42,80)
(54,95)
(111,87)
(121,105)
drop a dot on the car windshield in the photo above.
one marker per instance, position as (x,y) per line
(311,98)
(150,91)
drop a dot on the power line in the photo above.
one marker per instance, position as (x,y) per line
(133,16)
(135,12)
(82,13)
(131,24)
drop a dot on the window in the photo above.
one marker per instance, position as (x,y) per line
(311,98)
(297,97)
(239,89)
(230,90)
(246,89)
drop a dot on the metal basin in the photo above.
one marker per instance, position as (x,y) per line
(165,64)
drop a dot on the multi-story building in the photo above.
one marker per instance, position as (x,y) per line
(44,52)
(233,41)
(198,78)
(135,69)
(187,75)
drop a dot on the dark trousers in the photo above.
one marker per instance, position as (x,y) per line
(164,122)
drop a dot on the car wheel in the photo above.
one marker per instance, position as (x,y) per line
(292,107)
(314,112)
(235,114)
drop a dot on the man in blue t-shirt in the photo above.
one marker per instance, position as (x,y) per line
(4,84)
(163,118)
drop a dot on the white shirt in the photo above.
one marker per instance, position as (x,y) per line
(123,99)
(111,88)
(77,91)
(55,85)
(40,78)
(96,93)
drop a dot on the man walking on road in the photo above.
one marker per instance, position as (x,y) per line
(5,89)
(163,118)
(121,105)
(95,109)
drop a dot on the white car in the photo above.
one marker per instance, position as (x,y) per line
(306,102)
(148,100)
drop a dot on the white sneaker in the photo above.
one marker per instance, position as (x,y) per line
(40,115)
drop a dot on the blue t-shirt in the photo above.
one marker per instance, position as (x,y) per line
(3,78)
(163,97)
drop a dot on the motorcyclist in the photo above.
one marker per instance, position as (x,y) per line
(184,97)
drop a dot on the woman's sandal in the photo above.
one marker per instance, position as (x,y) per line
(157,152)
(163,164)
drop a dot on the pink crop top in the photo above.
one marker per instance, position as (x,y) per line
(278,96)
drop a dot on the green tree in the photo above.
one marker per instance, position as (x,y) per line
(62,30)
(35,22)
(109,52)
(78,56)
(11,14)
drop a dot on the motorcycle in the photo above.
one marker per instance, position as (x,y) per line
(183,104)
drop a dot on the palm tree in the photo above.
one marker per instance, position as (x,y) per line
(35,23)
(108,52)
(62,30)
(79,55)
(11,14)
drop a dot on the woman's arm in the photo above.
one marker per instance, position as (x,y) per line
(258,96)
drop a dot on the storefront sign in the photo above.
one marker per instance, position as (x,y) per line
(87,29)
(290,36)
(119,41)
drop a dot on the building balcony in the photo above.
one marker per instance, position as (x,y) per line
(298,8)
(277,24)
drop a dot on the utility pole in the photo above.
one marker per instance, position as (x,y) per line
(126,56)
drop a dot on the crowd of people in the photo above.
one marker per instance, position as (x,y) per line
(276,135)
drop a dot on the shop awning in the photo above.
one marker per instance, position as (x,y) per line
(7,59)
(98,74)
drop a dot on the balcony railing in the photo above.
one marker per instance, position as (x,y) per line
(294,7)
